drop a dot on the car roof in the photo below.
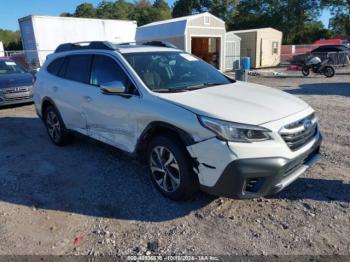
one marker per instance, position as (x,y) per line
(332,46)
(124,49)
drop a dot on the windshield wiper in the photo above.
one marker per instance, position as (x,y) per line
(204,85)
(214,84)
(169,90)
(187,88)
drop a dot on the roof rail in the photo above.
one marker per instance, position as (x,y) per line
(105,45)
(159,43)
(85,45)
(151,43)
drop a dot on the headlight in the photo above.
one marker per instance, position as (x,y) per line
(235,132)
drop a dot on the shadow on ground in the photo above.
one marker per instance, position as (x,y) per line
(85,178)
(316,189)
(339,89)
(91,179)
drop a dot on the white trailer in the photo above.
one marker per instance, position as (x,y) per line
(2,52)
(42,34)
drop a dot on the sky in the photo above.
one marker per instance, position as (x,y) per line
(11,10)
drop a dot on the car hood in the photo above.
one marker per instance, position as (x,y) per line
(240,102)
(14,80)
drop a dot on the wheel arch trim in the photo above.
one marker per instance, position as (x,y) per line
(50,101)
(185,137)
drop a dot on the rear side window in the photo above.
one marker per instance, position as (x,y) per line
(328,49)
(55,66)
(106,70)
(320,49)
(77,68)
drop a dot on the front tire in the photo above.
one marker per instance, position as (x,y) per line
(56,128)
(171,168)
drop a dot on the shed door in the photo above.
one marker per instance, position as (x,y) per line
(265,54)
(232,57)
(207,48)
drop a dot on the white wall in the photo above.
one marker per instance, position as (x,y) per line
(49,32)
(2,53)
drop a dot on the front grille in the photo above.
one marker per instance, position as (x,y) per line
(17,98)
(15,90)
(299,133)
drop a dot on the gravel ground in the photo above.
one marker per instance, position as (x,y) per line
(87,198)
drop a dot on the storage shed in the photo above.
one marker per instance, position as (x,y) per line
(232,51)
(202,35)
(263,46)
(42,34)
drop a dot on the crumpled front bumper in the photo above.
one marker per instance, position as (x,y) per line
(251,178)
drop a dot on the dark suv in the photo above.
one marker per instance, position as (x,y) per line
(331,48)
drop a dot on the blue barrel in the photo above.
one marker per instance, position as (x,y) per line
(245,62)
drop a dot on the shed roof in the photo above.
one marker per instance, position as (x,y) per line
(183,18)
(255,30)
(175,27)
(232,35)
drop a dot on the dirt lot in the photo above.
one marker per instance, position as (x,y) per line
(89,199)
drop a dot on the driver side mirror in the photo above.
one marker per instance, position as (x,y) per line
(113,88)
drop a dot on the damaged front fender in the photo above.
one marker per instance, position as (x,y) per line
(213,156)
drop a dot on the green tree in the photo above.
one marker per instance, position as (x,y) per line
(311,32)
(119,9)
(85,10)
(292,17)
(11,39)
(340,9)
(186,7)
(144,12)
(162,10)
(223,9)
(66,14)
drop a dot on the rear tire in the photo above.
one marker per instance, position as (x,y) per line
(305,71)
(328,71)
(56,129)
(171,169)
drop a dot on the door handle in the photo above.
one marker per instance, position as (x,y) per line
(55,88)
(88,99)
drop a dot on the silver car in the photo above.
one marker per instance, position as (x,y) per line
(15,83)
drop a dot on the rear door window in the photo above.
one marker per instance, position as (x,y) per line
(55,66)
(77,68)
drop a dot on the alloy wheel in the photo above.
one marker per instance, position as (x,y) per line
(53,126)
(165,169)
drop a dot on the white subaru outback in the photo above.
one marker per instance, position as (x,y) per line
(193,126)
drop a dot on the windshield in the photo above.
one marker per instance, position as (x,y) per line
(174,71)
(10,67)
